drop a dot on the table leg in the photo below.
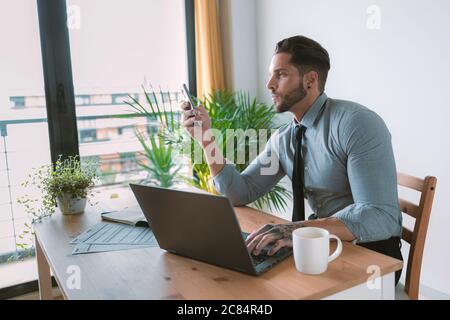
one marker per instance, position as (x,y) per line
(388,286)
(44,276)
(385,291)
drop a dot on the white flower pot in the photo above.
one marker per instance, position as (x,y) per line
(69,205)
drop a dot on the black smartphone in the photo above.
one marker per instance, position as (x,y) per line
(188,95)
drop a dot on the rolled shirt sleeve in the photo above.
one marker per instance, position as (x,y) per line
(261,175)
(375,213)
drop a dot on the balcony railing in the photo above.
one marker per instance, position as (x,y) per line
(118,154)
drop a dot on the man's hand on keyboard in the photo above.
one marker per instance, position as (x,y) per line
(280,235)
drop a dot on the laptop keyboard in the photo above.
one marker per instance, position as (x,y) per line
(259,258)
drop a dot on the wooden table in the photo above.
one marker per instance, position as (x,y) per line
(153,273)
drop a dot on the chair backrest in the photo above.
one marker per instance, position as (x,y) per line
(416,238)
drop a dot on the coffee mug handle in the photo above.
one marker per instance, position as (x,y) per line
(338,250)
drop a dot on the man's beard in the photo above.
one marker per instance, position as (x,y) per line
(290,99)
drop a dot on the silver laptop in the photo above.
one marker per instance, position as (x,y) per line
(202,227)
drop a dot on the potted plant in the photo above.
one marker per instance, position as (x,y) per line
(65,184)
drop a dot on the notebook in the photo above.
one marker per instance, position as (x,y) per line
(130,215)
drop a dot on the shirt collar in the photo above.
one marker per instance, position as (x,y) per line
(313,112)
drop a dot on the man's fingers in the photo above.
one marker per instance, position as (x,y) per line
(189,122)
(199,113)
(189,113)
(278,245)
(252,244)
(265,241)
(257,232)
(201,109)
(264,236)
(185,105)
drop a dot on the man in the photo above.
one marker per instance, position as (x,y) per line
(337,153)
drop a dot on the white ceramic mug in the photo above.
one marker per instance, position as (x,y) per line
(311,248)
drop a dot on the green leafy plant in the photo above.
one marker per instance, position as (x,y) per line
(70,176)
(169,121)
(161,163)
(161,169)
(227,110)
(66,176)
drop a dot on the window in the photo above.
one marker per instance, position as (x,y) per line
(87,135)
(142,43)
(23,125)
(17,102)
(138,43)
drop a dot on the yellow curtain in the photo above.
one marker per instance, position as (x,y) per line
(208,47)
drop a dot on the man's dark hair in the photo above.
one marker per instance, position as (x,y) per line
(307,55)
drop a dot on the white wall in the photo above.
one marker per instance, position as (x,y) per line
(400,71)
(238,26)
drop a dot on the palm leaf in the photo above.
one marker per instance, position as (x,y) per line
(275,199)
(149,101)
(164,104)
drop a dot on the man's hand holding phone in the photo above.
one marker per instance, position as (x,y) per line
(195,120)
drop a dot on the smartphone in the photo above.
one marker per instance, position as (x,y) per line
(189,96)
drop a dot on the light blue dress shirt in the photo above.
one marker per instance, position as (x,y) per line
(349,172)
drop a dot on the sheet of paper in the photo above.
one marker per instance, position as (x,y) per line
(112,237)
(91,248)
(115,233)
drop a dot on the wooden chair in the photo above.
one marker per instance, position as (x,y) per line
(416,238)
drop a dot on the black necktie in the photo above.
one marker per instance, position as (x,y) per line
(298,213)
